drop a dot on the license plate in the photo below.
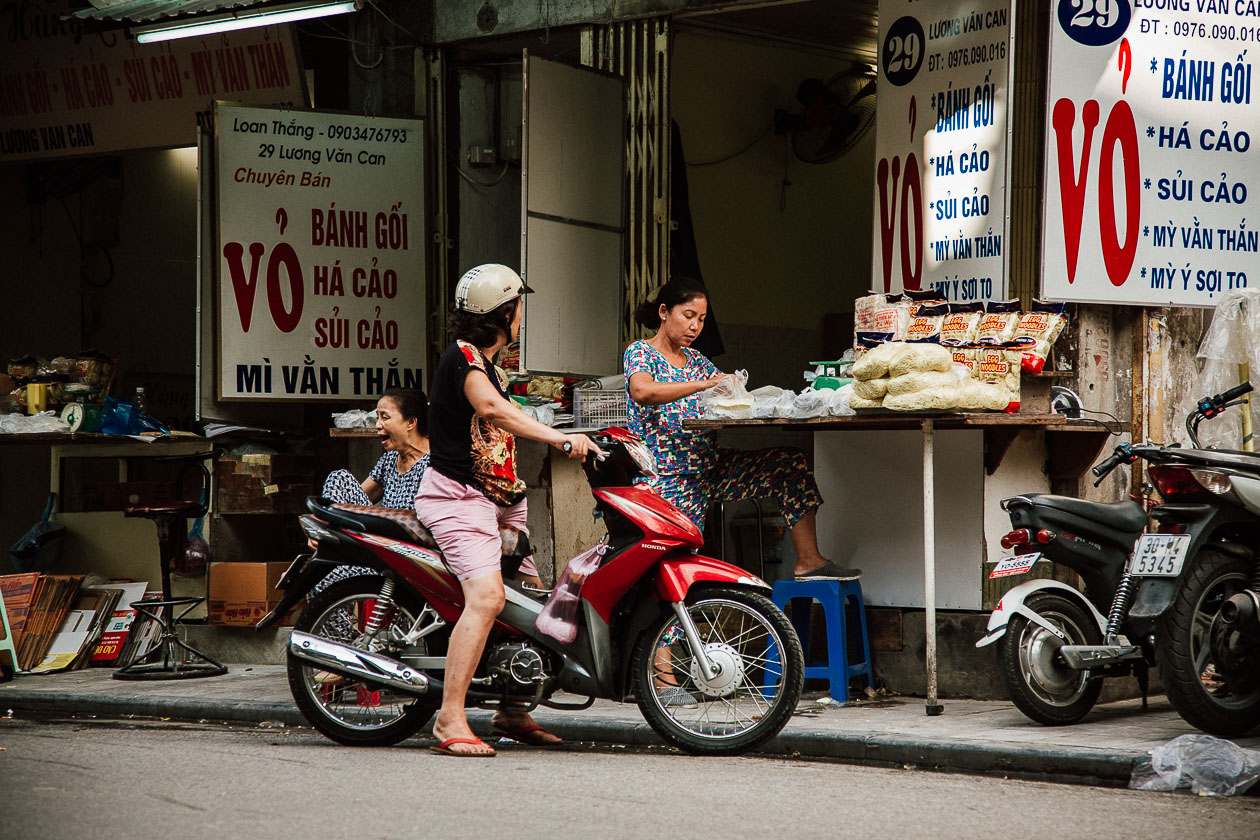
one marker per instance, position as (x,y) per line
(1159,555)
(1017,565)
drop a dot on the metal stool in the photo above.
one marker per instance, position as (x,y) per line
(835,596)
(177,660)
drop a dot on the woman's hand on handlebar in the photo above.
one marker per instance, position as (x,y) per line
(579,446)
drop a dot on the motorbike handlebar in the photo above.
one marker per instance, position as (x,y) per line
(1122,455)
(1234,393)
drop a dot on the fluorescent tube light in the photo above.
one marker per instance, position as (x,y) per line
(243,19)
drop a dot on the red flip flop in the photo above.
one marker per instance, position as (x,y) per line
(530,734)
(445,748)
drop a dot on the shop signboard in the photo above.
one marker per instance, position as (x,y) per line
(67,91)
(940,148)
(320,252)
(1150,170)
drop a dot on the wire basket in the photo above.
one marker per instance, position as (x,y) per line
(598,408)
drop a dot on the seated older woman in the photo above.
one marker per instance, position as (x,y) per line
(664,378)
(402,427)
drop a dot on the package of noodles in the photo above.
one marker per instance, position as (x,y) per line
(923,296)
(920,380)
(920,357)
(870,389)
(1001,366)
(926,323)
(894,315)
(874,363)
(962,322)
(940,398)
(1042,325)
(1001,318)
(864,313)
(983,396)
(856,402)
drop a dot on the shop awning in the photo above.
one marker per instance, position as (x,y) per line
(137,11)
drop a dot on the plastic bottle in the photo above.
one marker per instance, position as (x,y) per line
(140,402)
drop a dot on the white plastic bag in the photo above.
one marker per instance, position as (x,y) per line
(809,403)
(355,418)
(764,400)
(1207,765)
(838,401)
(729,399)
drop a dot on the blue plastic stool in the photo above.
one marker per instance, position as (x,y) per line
(836,596)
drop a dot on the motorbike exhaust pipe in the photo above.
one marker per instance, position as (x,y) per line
(351,662)
(1241,612)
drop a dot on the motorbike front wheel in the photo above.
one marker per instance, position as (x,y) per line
(1210,673)
(1039,682)
(345,709)
(761,674)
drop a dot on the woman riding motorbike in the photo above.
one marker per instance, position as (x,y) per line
(471,487)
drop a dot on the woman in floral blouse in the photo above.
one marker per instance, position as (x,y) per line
(664,378)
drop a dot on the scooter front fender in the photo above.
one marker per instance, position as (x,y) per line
(1012,604)
(678,574)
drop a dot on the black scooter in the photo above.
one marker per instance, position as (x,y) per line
(1184,598)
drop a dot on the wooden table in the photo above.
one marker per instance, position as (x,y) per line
(1072,445)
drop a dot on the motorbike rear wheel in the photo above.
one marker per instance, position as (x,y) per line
(751,699)
(1211,674)
(1039,682)
(345,709)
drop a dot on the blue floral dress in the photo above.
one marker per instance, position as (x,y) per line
(693,471)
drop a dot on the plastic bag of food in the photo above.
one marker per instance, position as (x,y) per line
(871,389)
(782,407)
(1042,326)
(764,400)
(891,315)
(354,418)
(940,398)
(926,323)
(864,312)
(729,399)
(874,363)
(962,322)
(920,357)
(1001,317)
(809,403)
(856,402)
(838,401)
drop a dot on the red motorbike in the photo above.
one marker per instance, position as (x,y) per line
(713,665)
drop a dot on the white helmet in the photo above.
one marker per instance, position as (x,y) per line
(486,287)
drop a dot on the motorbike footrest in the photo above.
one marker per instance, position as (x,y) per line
(1084,657)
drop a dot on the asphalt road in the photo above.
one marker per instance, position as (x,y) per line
(130,779)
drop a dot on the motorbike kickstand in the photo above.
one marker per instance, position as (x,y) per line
(1143,674)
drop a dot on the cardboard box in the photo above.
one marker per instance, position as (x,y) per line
(240,594)
(263,483)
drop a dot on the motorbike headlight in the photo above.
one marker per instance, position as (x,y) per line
(642,457)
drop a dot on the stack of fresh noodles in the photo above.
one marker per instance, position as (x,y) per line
(911,376)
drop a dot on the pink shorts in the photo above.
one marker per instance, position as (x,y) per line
(466,525)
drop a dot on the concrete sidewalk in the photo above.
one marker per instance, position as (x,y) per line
(971,735)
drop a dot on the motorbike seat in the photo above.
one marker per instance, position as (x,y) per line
(1126,516)
(403,524)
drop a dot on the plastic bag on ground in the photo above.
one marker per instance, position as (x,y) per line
(1207,765)
(558,618)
